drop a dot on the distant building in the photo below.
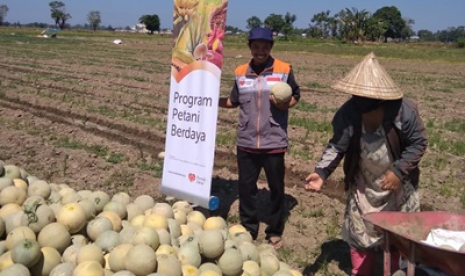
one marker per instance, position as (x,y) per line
(139,28)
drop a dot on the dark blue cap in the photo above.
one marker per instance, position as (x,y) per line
(260,33)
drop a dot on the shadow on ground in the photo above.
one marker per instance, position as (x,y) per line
(336,251)
(226,191)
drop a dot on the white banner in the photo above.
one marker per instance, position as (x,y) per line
(193,102)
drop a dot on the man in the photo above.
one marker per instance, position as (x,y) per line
(261,132)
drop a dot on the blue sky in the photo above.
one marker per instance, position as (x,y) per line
(433,15)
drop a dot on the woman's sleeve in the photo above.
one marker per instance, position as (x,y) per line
(337,146)
(415,140)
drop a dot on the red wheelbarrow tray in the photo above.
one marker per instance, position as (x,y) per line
(406,228)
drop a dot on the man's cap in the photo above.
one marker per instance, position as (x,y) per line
(260,33)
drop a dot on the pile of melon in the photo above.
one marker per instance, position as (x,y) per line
(52,229)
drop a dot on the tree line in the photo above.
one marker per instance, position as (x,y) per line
(349,25)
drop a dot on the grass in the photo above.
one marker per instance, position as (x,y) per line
(311,124)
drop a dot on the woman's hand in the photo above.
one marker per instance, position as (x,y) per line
(313,182)
(389,181)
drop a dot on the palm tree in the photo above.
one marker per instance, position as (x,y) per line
(353,23)
(321,21)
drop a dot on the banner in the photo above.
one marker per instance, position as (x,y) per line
(197,58)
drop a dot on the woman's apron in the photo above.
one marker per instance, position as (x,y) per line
(367,196)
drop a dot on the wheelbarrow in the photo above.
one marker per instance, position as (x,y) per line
(407,231)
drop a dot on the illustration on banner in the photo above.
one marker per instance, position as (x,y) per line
(198,32)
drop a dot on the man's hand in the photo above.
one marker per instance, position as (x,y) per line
(280,105)
(389,181)
(313,182)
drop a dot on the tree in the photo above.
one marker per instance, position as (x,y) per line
(3,12)
(407,30)
(393,18)
(152,22)
(353,23)
(94,19)
(375,29)
(321,20)
(426,35)
(253,22)
(274,22)
(58,13)
(288,26)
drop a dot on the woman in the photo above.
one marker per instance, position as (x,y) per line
(261,132)
(382,138)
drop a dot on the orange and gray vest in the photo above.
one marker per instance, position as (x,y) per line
(261,125)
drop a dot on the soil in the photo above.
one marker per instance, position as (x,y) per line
(67,127)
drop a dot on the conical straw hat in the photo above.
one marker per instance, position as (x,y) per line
(369,79)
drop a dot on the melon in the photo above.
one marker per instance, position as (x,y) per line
(72,216)
(164,209)
(17,234)
(281,91)
(26,252)
(108,240)
(141,260)
(89,268)
(249,252)
(236,228)
(166,249)
(40,188)
(148,236)
(211,243)
(90,252)
(231,262)
(63,269)
(54,235)
(97,226)
(117,257)
(144,202)
(169,265)
(50,258)
(269,263)
(189,270)
(16,270)
(183,206)
(189,255)
(215,223)
(100,199)
(210,267)
(251,267)
(12,171)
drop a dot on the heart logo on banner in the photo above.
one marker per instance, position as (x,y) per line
(191,177)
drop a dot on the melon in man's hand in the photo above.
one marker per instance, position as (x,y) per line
(282,92)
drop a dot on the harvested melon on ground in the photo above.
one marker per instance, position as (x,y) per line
(72,216)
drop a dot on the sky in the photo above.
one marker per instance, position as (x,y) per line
(431,15)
